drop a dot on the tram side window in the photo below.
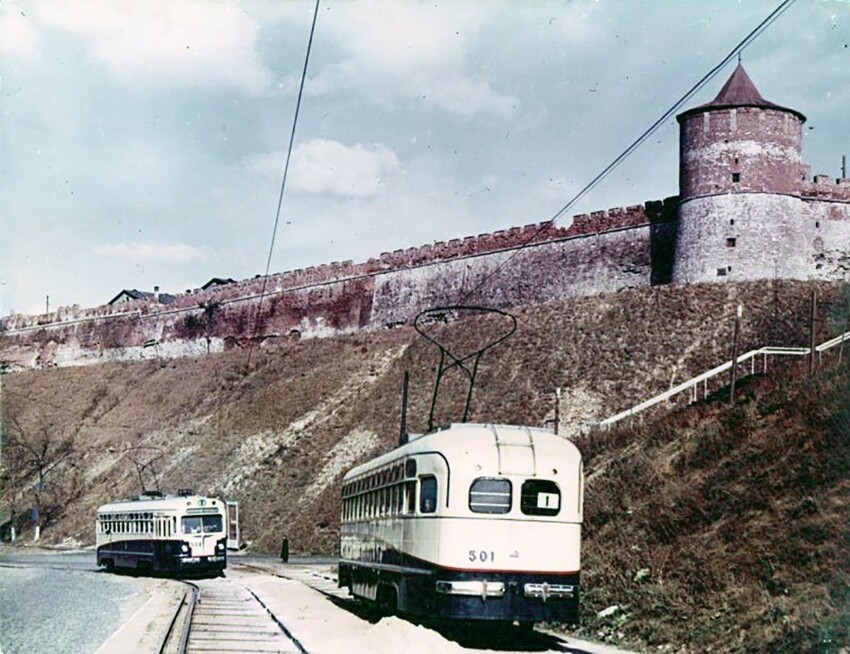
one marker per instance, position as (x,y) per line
(488,495)
(427,494)
(540,497)
(410,491)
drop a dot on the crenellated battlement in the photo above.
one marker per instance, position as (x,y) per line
(747,209)
(824,187)
(597,222)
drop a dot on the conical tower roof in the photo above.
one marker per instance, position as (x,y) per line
(739,91)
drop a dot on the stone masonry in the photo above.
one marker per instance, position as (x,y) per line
(746,210)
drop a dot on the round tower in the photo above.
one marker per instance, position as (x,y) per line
(740,175)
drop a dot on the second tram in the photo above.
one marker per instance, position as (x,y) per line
(163,534)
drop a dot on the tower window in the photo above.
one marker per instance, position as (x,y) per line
(817,224)
(731,221)
(736,177)
(721,272)
(730,242)
(736,161)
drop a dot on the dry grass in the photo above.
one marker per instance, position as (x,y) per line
(737,516)
(711,527)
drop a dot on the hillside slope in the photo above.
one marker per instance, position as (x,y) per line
(726,525)
(278,433)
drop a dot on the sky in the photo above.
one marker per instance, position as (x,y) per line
(142,144)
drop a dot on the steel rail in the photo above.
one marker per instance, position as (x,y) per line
(195,592)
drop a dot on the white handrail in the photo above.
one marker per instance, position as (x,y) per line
(723,367)
(833,342)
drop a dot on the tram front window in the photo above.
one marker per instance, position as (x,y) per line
(206,524)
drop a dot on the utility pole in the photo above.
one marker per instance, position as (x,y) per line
(843,166)
(2,466)
(402,433)
(738,314)
(812,332)
(2,370)
(557,409)
(46,304)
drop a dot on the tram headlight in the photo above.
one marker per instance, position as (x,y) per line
(184,548)
(477,588)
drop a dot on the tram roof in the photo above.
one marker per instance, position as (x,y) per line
(456,439)
(166,502)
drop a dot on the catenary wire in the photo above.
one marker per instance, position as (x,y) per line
(283,185)
(747,40)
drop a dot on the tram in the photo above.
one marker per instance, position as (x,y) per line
(156,533)
(468,521)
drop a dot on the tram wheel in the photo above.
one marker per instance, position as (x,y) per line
(387,602)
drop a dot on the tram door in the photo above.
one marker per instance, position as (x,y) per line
(232,525)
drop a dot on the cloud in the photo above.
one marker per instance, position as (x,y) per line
(18,39)
(139,252)
(413,51)
(580,23)
(188,43)
(557,187)
(323,166)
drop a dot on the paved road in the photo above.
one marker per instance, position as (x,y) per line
(58,602)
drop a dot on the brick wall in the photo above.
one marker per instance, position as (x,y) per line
(742,149)
(749,236)
(599,252)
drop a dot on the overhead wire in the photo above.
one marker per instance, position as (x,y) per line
(464,295)
(620,158)
(276,224)
(283,185)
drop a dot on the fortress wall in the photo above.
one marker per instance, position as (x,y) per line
(824,187)
(310,312)
(746,236)
(600,263)
(761,145)
(599,221)
(828,232)
(599,252)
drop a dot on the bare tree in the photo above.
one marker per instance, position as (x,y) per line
(12,482)
(40,463)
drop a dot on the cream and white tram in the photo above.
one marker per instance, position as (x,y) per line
(471,521)
(182,533)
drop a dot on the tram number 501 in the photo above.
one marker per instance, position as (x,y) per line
(481,556)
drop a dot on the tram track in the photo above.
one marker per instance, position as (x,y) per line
(217,616)
(169,642)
